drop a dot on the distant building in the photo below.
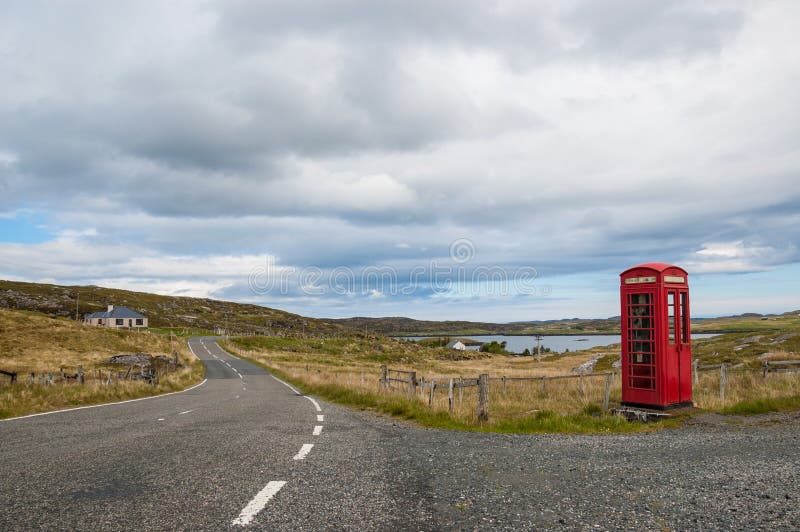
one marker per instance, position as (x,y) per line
(457,345)
(116,318)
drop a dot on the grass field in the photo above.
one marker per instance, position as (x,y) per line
(33,342)
(347,370)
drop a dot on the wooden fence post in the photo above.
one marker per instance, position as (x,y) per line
(412,383)
(607,391)
(544,387)
(504,386)
(433,389)
(765,369)
(450,396)
(483,397)
(695,371)
(81,378)
(723,380)
(580,384)
(460,389)
(384,377)
(422,388)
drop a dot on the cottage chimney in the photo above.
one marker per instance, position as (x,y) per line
(111,308)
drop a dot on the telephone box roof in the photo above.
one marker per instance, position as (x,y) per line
(657,266)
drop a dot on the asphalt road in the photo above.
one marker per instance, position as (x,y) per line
(234,452)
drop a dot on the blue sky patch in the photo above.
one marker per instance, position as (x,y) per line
(23,229)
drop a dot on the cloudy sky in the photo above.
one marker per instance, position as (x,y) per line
(441,160)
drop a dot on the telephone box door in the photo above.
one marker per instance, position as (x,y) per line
(684,347)
(672,360)
(641,361)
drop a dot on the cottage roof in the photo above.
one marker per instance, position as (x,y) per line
(116,312)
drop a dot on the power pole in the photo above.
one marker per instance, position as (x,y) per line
(538,348)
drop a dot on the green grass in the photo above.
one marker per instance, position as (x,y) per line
(764,406)
(342,350)
(591,421)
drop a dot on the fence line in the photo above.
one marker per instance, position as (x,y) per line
(150,374)
(426,387)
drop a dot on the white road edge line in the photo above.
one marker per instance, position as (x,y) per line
(102,405)
(287,384)
(185,412)
(320,418)
(317,430)
(304,450)
(258,503)
(316,404)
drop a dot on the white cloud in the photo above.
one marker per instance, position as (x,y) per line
(732,257)
(174,143)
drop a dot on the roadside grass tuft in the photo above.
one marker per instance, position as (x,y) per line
(764,406)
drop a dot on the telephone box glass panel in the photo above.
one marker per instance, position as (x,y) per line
(640,340)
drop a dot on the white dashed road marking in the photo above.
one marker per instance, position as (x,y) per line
(185,412)
(320,418)
(304,450)
(317,430)
(258,502)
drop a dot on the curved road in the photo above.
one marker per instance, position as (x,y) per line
(246,450)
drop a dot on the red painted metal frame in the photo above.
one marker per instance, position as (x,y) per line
(669,383)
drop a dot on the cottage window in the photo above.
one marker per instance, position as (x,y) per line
(120,321)
(139,321)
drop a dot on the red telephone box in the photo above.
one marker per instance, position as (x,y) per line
(656,341)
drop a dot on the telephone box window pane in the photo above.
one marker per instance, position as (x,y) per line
(641,347)
(671,316)
(684,320)
(641,323)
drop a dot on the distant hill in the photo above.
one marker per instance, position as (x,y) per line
(162,311)
(165,311)
(398,326)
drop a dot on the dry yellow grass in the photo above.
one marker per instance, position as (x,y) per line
(517,398)
(32,342)
(743,386)
(520,397)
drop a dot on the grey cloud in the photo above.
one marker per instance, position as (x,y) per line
(643,29)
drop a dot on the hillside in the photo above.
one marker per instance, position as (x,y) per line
(162,311)
(34,342)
